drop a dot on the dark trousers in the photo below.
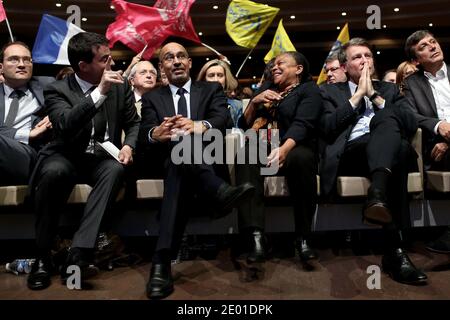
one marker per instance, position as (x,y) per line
(383,147)
(181,183)
(54,181)
(300,169)
(17,161)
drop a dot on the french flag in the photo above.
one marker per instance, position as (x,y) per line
(50,46)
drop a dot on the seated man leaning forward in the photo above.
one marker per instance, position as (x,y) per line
(186,108)
(367,126)
(89,107)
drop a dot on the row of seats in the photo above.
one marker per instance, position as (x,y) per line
(274,186)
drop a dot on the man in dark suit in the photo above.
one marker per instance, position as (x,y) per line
(89,107)
(23,126)
(367,126)
(428,92)
(187,108)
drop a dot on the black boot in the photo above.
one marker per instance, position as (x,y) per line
(257,252)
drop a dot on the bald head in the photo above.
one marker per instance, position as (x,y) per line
(174,61)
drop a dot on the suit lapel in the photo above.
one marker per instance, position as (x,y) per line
(194,100)
(110,116)
(427,92)
(2,104)
(37,90)
(345,89)
(167,100)
(77,93)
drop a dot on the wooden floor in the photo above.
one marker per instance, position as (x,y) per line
(337,275)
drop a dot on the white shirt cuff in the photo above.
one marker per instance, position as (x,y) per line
(22,135)
(97,97)
(436,127)
(381,106)
(150,139)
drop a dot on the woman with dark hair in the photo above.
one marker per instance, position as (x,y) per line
(292,106)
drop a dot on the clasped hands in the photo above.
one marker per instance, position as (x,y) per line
(175,126)
(365,87)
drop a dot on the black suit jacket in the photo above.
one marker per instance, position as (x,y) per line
(420,97)
(339,118)
(297,114)
(71,114)
(207,100)
(36,86)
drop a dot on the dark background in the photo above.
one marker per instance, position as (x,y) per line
(313,31)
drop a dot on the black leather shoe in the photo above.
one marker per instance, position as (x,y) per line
(81,258)
(258,251)
(229,197)
(305,252)
(376,209)
(40,275)
(400,268)
(160,284)
(440,245)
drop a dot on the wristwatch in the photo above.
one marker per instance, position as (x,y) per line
(206,124)
(374,95)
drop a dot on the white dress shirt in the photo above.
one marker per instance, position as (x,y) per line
(440,86)
(28,105)
(98,99)
(363,125)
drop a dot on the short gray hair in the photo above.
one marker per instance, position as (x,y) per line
(353,42)
(133,69)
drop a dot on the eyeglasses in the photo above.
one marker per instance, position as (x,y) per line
(16,60)
(171,57)
(333,70)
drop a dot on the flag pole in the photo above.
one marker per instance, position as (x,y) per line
(240,68)
(216,52)
(9,29)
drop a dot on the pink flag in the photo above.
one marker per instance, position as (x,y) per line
(2,12)
(137,26)
(179,10)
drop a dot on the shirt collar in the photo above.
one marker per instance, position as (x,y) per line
(352,87)
(84,85)
(187,87)
(441,74)
(137,96)
(9,90)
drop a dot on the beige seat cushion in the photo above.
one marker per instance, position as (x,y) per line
(150,189)
(80,194)
(357,186)
(438,181)
(12,195)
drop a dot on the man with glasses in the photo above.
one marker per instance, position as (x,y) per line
(23,126)
(189,109)
(334,69)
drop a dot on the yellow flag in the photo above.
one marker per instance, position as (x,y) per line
(281,43)
(247,21)
(342,39)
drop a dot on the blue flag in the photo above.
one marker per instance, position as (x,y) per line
(50,46)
